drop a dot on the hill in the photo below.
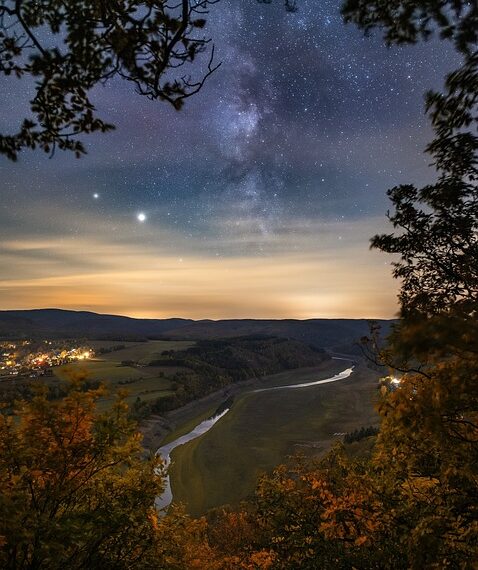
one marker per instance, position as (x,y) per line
(338,333)
(211,365)
(57,323)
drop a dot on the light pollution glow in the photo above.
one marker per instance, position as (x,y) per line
(146,271)
(257,200)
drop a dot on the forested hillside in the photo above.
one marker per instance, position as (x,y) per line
(213,364)
(56,323)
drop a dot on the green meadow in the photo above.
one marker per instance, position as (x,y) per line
(146,352)
(139,379)
(263,429)
(185,419)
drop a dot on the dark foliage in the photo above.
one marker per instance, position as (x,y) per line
(69,47)
(408,21)
(436,227)
(359,434)
(437,237)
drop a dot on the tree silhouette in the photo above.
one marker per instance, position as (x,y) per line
(428,442)
(69,47)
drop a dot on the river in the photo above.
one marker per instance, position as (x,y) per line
(166,498)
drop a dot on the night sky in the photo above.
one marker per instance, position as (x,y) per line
(258,199)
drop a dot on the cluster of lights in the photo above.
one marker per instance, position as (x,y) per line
(16,361)
(8,357)
(391,382)
(83,355)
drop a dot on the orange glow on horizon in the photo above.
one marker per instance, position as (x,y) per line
(156,275)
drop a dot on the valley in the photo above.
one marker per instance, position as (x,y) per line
(263,428)
(172,384)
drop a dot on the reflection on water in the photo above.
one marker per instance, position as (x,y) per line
(341,376)
(165,451)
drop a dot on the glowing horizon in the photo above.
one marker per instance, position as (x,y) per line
(152,272)
(257,200)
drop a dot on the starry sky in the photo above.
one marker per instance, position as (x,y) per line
(258,199)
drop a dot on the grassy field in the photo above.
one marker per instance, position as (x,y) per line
(187,417)
(147,382)
(145,352)
(262,429)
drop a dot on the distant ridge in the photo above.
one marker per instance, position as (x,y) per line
(61,323)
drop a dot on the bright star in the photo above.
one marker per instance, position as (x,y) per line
(96,196)
(141,217)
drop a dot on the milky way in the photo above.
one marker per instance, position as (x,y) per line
(277,170)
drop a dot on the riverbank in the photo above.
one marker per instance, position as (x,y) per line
(263,428)
(160,430)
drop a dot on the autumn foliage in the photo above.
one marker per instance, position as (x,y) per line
(75,492)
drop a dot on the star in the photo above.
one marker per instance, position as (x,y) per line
(308,122)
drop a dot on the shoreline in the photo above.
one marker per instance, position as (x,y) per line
(159,430)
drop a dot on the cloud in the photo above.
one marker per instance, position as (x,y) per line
(306,269)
